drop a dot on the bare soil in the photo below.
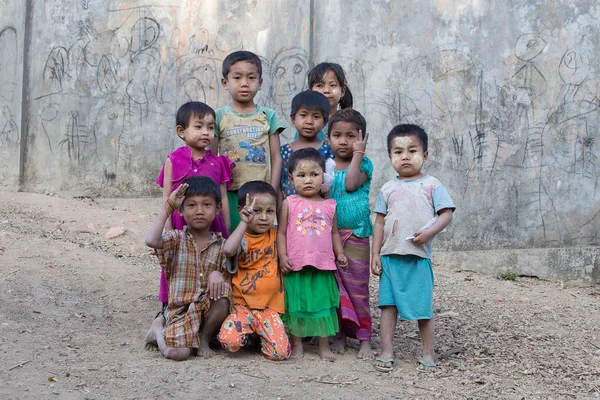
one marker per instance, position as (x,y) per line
(75,307)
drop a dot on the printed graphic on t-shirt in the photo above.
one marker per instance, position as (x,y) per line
(249,151)
(311,221)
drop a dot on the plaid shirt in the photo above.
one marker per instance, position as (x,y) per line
(187,268)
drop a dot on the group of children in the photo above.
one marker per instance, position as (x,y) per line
(227,270)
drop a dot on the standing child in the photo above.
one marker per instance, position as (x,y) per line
(402,244)
(196,127)
(195,267)
(257,285)
(248,133)
(329,79)
(309,245)
(350,188)
(310,112)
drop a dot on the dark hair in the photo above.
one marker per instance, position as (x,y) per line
(319,71)
(238,56)
(253,188)
(203,186)
(311,101)
(192,109)
(305,154)
(348,115)
(407,130)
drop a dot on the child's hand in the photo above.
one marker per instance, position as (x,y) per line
(178,195)
(360,144)
(217,285)
(285,264)
(342,261)
(376,265)
(247,212)
(423,236)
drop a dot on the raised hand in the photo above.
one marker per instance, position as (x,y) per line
(360,144)
(247,212)
(178,195)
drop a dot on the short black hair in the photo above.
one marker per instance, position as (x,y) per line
(311,100)
(305,154)
(238,56)
(202,186)
(253,188)
(348,115)
(319,71)
(407,130)
(192,109)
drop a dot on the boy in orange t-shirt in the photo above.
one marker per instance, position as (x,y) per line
(257,284)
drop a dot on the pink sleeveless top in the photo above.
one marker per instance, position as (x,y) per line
(309,233)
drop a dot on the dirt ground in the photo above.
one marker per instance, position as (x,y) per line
(76,306)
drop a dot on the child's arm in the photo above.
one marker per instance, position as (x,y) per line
(232,244)
(377,242)
(338,248)
(284,262)
(355,178)
(274,150)
(423,236)
(154,235)
(167,189)
(225,207)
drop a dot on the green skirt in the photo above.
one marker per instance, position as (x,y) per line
(311,301)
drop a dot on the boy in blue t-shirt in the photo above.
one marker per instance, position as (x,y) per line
(401,254)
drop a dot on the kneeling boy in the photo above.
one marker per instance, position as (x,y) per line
(257,284)
(195,267)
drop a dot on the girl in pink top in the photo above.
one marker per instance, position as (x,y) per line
(310,250)
(196,127)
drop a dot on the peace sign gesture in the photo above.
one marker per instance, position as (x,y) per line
(247,212)
(360,144)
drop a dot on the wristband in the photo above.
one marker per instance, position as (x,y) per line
(170,207)
(359,152)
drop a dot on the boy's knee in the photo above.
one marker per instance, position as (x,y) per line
(220,308)
(177,354)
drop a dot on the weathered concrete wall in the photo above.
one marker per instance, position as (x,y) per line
(107,78)
(509,93)
(12,22)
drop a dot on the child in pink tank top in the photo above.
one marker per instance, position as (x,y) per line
(310,251)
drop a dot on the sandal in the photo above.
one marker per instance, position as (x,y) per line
(388,364)
(426,367)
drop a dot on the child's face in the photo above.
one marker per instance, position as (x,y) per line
(265,210)
(199,133)
(330,87)
(407,156)
(243,82)
(199,211)
(308,123)
(307,178)
(341,137)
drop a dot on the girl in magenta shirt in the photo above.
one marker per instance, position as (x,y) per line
(310,250)
(196,127)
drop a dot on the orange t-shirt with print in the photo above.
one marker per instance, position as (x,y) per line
(257,283)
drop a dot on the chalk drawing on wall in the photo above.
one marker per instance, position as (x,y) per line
(229,39)
(9,129)
(287,71)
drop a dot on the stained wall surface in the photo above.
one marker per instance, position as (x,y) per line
(508,91)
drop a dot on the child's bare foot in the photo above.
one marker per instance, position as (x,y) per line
(339,346)
(324,350)
(297,349)
(205,350)
(365,352)
(151,335)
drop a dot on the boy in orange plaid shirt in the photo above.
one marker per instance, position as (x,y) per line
(197,271)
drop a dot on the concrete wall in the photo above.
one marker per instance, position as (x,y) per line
(12,31)
(509,93)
